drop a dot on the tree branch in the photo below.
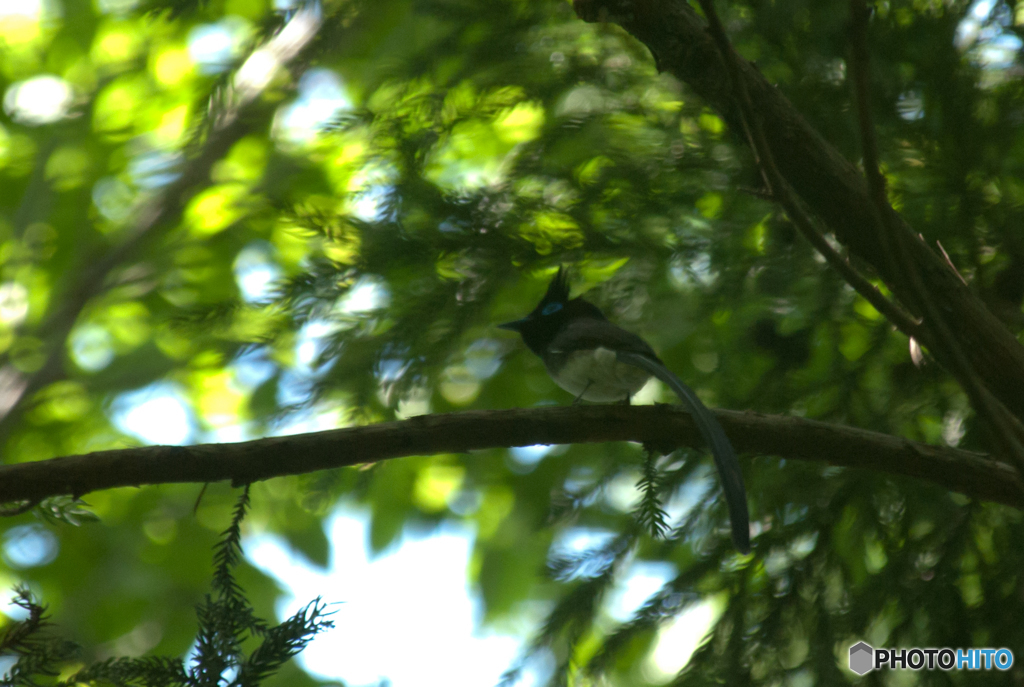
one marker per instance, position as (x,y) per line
(781,192)
(969,473)
(1006,428)
(830,185)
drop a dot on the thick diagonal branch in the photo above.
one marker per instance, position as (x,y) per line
(781,193)
(1006,428)
(830,185)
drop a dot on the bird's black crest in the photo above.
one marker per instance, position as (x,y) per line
(558,289)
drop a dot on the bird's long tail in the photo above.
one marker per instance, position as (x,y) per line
(721,448)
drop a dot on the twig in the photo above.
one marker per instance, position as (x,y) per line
(949,262)
(17,508)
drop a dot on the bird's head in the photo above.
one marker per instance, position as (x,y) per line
(553,312)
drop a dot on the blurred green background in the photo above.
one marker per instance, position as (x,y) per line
(415,176)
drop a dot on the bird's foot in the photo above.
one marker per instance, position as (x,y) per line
(579,398)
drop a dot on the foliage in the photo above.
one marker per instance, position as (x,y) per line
(39,652)
(351,271)
(226,621)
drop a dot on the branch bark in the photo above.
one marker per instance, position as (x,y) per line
(829,184)
(966,472)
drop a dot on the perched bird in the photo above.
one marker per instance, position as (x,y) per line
(594,360)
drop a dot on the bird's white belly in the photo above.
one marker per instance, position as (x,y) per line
(598,376)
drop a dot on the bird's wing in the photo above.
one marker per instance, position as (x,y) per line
(588,333)
(721,449)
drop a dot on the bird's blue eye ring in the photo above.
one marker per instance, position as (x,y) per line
(551,308)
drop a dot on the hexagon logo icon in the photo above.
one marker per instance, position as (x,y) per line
(862,658)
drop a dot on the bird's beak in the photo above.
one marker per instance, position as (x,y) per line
(514,326)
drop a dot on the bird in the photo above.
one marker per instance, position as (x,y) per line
(595,360)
